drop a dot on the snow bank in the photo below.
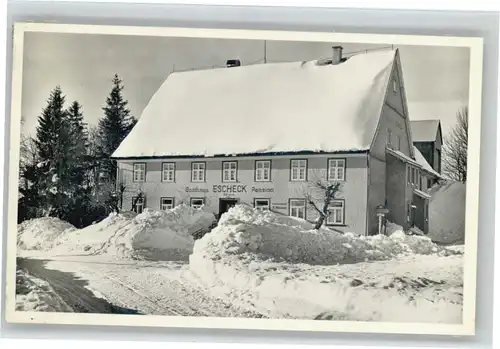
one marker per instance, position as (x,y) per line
(269,236)
(93,238)
(41,233)
(447,213)
(278,266)
(160,235)
(33,294)
(155,235)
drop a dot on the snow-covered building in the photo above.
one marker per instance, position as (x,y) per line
(428,138)
(260,134)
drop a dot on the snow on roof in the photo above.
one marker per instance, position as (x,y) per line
(422,162)
(402,156)
(264,108)
(421,194)
(424,130)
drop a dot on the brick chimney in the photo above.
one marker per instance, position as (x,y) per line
(337,54)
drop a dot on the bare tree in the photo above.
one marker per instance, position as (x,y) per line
(319,194)
(455,148)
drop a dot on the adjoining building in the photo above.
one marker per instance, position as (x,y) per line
(260,134)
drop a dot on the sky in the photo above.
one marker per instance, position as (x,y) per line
(436,78)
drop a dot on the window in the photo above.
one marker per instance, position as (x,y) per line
(139,172)
(298,208)
(197,202)
(137,204)
(298,170)
(336,213)
(394,86)
(389,137)
(262,204)
(398,144)
(336,169)
(168,172)
(229,170)
(263,170)
(166,203)
(198,172)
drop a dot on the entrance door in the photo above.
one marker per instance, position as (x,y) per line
(226,204)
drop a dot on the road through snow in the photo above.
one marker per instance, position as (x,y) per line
(89,284)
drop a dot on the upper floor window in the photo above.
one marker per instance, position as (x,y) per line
(336,213)
(166,203)
(398,144)
(336,169)
(298,170)
(389,137)
(198,172)
(394,86)
(229,170)
(263,170)
(139,172)
(298,208)
(168,172)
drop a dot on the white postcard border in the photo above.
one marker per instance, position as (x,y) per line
(475,44)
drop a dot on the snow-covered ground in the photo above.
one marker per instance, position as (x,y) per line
(252,258)
(253,264)
(33,294)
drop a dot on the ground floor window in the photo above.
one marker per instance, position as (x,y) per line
(197,202)
(336,213)
(138,204)
(166,203)
(262,204)
(298,208)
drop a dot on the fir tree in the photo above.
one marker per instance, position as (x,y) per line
(113,127)
(53,142)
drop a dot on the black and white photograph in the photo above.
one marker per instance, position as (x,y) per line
(281,181)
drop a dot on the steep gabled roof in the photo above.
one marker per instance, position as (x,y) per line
(264,108)
(419,158)
(425,130)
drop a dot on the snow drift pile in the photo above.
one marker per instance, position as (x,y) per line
(160,235)
(270,236)
(157,235)
(41,233)
(281,267)
(447,213)
(33,294)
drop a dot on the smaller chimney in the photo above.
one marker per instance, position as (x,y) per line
(233,63)
(337,55)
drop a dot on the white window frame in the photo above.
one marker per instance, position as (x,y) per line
(229,171)
(336,169)
(260,170)
(294,206)
(262,207)
(191,202)
(140,203)
(139,172)
(163,206)
(168,172)
(394,85)
(333,210)
(198,172)
(298,164)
